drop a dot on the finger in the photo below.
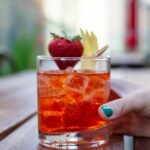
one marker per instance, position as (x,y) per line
(118,108)
(131,125)
(123,125)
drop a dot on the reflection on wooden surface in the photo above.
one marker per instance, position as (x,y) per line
(115,143)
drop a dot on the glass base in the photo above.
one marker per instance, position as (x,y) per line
(75,140)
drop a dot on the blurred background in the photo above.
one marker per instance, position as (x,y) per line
(25,27)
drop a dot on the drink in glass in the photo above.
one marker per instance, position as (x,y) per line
(68,102)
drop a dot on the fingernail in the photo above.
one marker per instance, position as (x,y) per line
(107,111)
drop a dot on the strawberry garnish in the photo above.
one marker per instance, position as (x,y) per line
(65,47)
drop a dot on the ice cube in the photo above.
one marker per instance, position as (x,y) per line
(76,83)
(96,82)
(43,86)
(107,89)
(55,92)
(69,70)
(43,81)
(99,93)
(52,120)
(43,91)
(72,113)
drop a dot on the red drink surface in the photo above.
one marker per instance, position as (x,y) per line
(69,101)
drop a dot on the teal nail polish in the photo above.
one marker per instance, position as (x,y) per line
(107,111)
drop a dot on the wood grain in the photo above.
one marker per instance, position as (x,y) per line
(17,102)
(26,138)
(12,83)
(23,138)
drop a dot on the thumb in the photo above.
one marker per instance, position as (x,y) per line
(117,108)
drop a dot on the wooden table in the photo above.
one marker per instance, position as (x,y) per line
(18,120)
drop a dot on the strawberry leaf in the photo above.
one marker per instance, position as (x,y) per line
(77,37)
(54,35)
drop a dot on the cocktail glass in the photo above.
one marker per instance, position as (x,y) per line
(68,101)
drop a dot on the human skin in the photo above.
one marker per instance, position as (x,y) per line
(130,114)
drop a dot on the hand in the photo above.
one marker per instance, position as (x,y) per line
(129,115)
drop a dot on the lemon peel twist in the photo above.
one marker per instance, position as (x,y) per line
(90,44)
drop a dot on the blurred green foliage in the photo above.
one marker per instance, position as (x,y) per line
(23,54)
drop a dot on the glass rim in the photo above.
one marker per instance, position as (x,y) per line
(44,57)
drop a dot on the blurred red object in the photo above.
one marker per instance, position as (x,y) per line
(132,26)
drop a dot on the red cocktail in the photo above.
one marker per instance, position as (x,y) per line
(68,101)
